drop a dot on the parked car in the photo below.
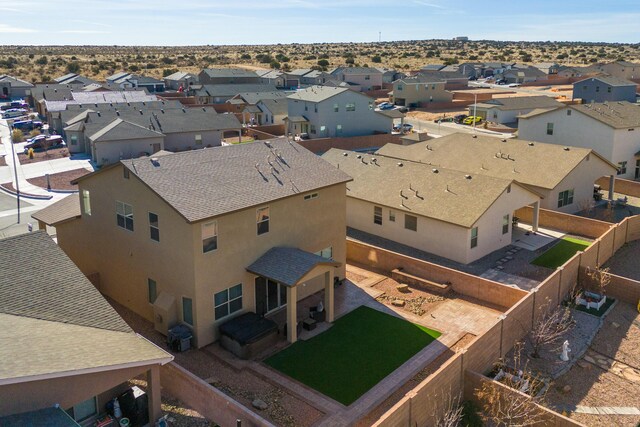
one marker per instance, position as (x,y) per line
(501,82)
(406,127)
(27,125)
(444,120)
(35,138)
(13,113)
(386,106)
(54,141)
(471,120)
(459,118)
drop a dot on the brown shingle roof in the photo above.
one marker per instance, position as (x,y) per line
(60,211)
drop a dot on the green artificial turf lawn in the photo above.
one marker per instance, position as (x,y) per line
(359,350)
(561,252)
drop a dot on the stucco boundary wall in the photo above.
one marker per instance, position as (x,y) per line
(485,290)
(566,222)
(474,381)
(321,145)
(207,400)
(622,186)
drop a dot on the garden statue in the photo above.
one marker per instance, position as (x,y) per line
(565,351)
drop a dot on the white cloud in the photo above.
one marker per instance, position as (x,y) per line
(4,28)
(428,4)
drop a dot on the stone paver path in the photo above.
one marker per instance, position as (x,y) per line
(618,368)
(510,279)
(600,410)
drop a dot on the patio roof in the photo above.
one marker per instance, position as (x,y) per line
(288,265)
(297,119)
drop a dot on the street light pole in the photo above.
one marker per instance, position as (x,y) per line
(15,170)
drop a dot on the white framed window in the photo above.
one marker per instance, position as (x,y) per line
(228,301)
(622,168)
(262,220)
(377,215)
(399,87)
(152,290)
(474,237)
(505,224)
(326,252)
(549,128)
(124,215)
(198,139)
(74,139)
(209,236)
(154,229)
(86,202)
(565,198)
(336,108)
(410,222)
(392,216)
(311,196)
(351,106)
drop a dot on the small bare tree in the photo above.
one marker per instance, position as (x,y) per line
(517,405)
(599,278)
(550,327)
(449,412)
(587,206)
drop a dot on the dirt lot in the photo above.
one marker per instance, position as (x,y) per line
(616,384)
(59,181)
(432,115)
(54,153)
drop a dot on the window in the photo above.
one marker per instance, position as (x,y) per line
(323,129)
(154,230)
(306,107)
(336,108)
(152,290)
(125,173)
(209,237)
(313,129)
(326,252)
(392,216)
(270,295)
(315,108)
(584,88)
(351,106)
(124,215)
(74,139)
(187,310)
(549,128)
(228,301)
(86,202)
(198,139)
(84,410)
(338,129)
(609,89)
(622,168)
(568,112)
(399,87)
(597,88)
(367,77)
(505,224)
(474,237)
(311,196)
(433,87)
(565,198)
(262,219)
(410,222)
(377,215)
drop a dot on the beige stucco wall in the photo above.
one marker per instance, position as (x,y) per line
(112,151)
(422,92)
(126,260)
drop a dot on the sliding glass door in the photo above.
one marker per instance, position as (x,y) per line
(270,295)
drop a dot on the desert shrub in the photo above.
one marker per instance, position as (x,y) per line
(17,135)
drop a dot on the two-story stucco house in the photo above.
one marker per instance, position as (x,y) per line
(200,237)
(562,176)
(507,110)
(366,78)
(445,212)
(419,89)
(619,69)
(604,88)
(610,128)
(322,112)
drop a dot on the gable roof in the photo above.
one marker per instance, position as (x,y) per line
(229,90)
(317,93)
(531,163)
(210,182)
(522,102)
(253,97)
(617,114)
(63,210)
(287,265)
(608,80)
(229,72)
(179,75)
(355,70)
(277,107)
(15,82)
(119,130)
(445,195)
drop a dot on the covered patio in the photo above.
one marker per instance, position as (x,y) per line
(291,268)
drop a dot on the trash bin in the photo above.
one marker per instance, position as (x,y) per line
(179,338)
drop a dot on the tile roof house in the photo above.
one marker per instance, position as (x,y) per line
(605,88)
(63,344)
(610,128)
(186,228)
(442,211)
(323,111)
(563,176)
(507,110)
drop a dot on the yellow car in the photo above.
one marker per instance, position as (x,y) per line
(472,119)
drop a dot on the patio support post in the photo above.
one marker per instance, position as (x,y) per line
(328,295)
(153,393)
(612,183)
(292,314)
(536,216)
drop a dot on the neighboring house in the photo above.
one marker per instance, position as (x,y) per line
(620,69)
(96,97)
(150,84)
(12,87)
(112,135)
(200,237)
(445,212)
(223,76)
(272,111)
(469,69)
(293,78)
(564,71)
(63,346)
(390,75)
(74,79)
(323,111)
(507,110)
(489,69)
(453,80)
(315,77)
(562,176)
(548,68)
(125,80)
(179,80)
(611,128)
(521,75)
(417,90)
(221,93)
(367,78)
(604,88)
(272,77)
(433,67)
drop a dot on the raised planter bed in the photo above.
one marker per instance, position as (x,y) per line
(418,282)
(591,300)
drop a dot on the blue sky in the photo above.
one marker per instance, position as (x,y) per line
(200,22)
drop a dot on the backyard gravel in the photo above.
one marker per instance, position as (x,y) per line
(625,262)
(60,181)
